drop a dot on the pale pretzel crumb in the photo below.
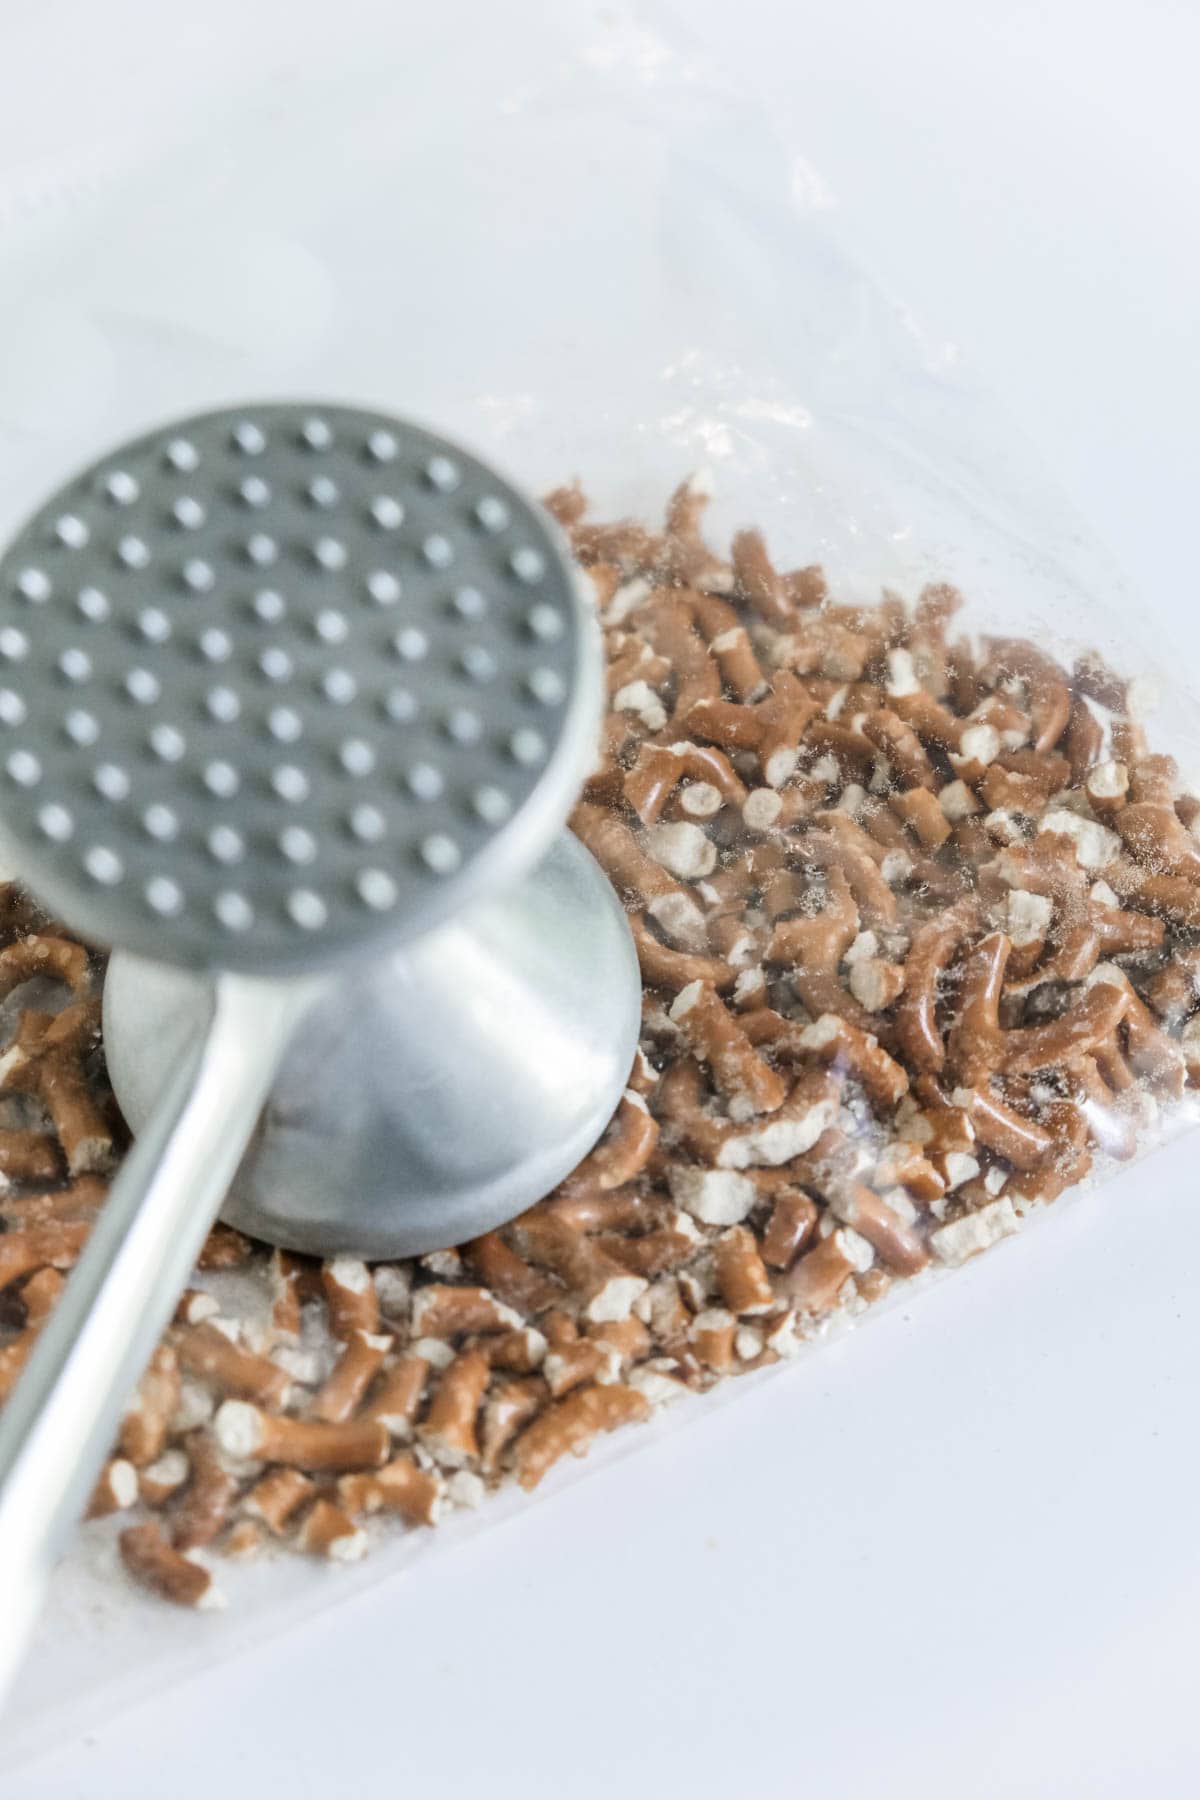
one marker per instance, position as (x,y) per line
(976,1231)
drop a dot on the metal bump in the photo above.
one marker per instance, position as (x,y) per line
(82,727)
(226,844)
(56,822)
(34,584)
(367,823)
(103,864)
(112,781)
(133,551)
(71,531)
(383,587)
(234,911)
(469,603)
(382,446)
(410,644)
(154,625)
(160,823)
(376,889)
(322,491)
(164,895)
(492,804)
(307,909)
(492,513)
(143,686)
(290,783)
(545,622)
(285,724)
(222,779)
(198,575)
(297,844)
(167,742)
(93,605)
(222,704)
(248,438)
(23,767)
(262,549)
(440,853)
(254,491)
(426,781)
(269,606)
(387,512)
(182,456)
(330,553)
(121,487)
(215,645)
(527,746)
(356,757)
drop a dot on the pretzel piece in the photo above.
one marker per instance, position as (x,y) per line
(246,1431)
(167,1572)
(570,1425)
(750,1085)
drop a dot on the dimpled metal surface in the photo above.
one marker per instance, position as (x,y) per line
(279,680)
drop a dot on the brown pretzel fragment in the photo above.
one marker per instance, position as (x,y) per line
(919,808)
(974,1046)
(1000,1128)
(167,1572)
(749,1084)
(638,876)
(143,1433)
(1049,692)
(890,1235)
(729,642)
(208,1497)
(327,1531)
(757,581)
(116,1489)
(342,1392)
(711,1335)
(246,1431)
(208,1351)
(842,1044)
(1093,1018)
(529,1290)
(448,1429)
(604,1288)
(509,1407)
(816,1281)
(277,1497)
(570,1425)
(442,1311)
(742,1279)
(350,1298)
(415,1494)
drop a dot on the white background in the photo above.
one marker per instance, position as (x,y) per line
(956,1554)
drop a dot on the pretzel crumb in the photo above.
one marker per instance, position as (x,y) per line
(914,914)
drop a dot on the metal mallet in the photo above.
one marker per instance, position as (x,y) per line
(294,700)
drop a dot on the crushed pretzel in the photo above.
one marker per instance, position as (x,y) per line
(916,922)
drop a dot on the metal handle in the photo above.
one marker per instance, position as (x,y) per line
(60,1421)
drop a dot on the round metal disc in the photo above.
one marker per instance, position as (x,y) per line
(281,679)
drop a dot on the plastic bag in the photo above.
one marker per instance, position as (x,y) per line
(566,242)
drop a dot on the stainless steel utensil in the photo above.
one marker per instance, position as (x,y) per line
(293,699)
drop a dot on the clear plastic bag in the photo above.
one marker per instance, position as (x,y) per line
(566,242)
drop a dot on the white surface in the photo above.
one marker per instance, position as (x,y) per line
(955,1553)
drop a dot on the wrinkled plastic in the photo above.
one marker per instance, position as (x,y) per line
(566,242)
